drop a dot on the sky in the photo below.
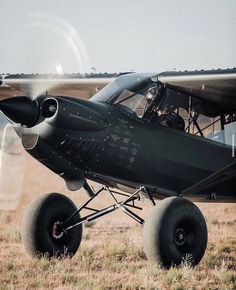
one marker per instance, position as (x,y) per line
(115,36)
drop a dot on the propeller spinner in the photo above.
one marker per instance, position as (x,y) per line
(22,110)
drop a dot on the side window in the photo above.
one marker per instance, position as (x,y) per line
(207,127)
(133,101)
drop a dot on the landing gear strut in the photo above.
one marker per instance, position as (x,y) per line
(175,228)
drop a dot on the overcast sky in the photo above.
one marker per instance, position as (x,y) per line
(149,35)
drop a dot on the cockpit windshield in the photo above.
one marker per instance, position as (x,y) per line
(129,91)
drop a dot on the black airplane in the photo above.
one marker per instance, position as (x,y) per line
(167,136)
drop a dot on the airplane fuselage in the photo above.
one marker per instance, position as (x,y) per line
(109,144)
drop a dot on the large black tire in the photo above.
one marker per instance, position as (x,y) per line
(37,228)
(174,232)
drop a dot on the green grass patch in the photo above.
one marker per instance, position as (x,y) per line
(224,249)
(229,278)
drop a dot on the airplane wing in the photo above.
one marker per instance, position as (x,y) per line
(214,86)
(73,85)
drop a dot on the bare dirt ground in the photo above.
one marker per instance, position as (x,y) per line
(111,254)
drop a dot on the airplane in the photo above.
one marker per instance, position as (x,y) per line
(168,137)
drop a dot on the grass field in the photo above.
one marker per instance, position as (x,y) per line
(111,254)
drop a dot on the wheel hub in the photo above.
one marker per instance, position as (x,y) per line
(57,232)
(180,237)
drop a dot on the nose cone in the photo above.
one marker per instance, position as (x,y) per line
(20,110)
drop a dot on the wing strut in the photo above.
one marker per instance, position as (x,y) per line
(213,179)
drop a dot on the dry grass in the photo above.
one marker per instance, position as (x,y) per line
(111,254)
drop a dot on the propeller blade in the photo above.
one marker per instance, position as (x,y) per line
(12,163)
(37,86)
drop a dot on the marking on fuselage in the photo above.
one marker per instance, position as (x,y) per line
(213,196)
(126,140)
(128,133)
(124,148)
(123,122)
(134,151)
(136,144)
(115,137)
(83,119)
(112,145)
(131,159)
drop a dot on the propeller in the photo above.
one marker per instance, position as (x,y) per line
(20,111)
(65,43)
(12,163)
